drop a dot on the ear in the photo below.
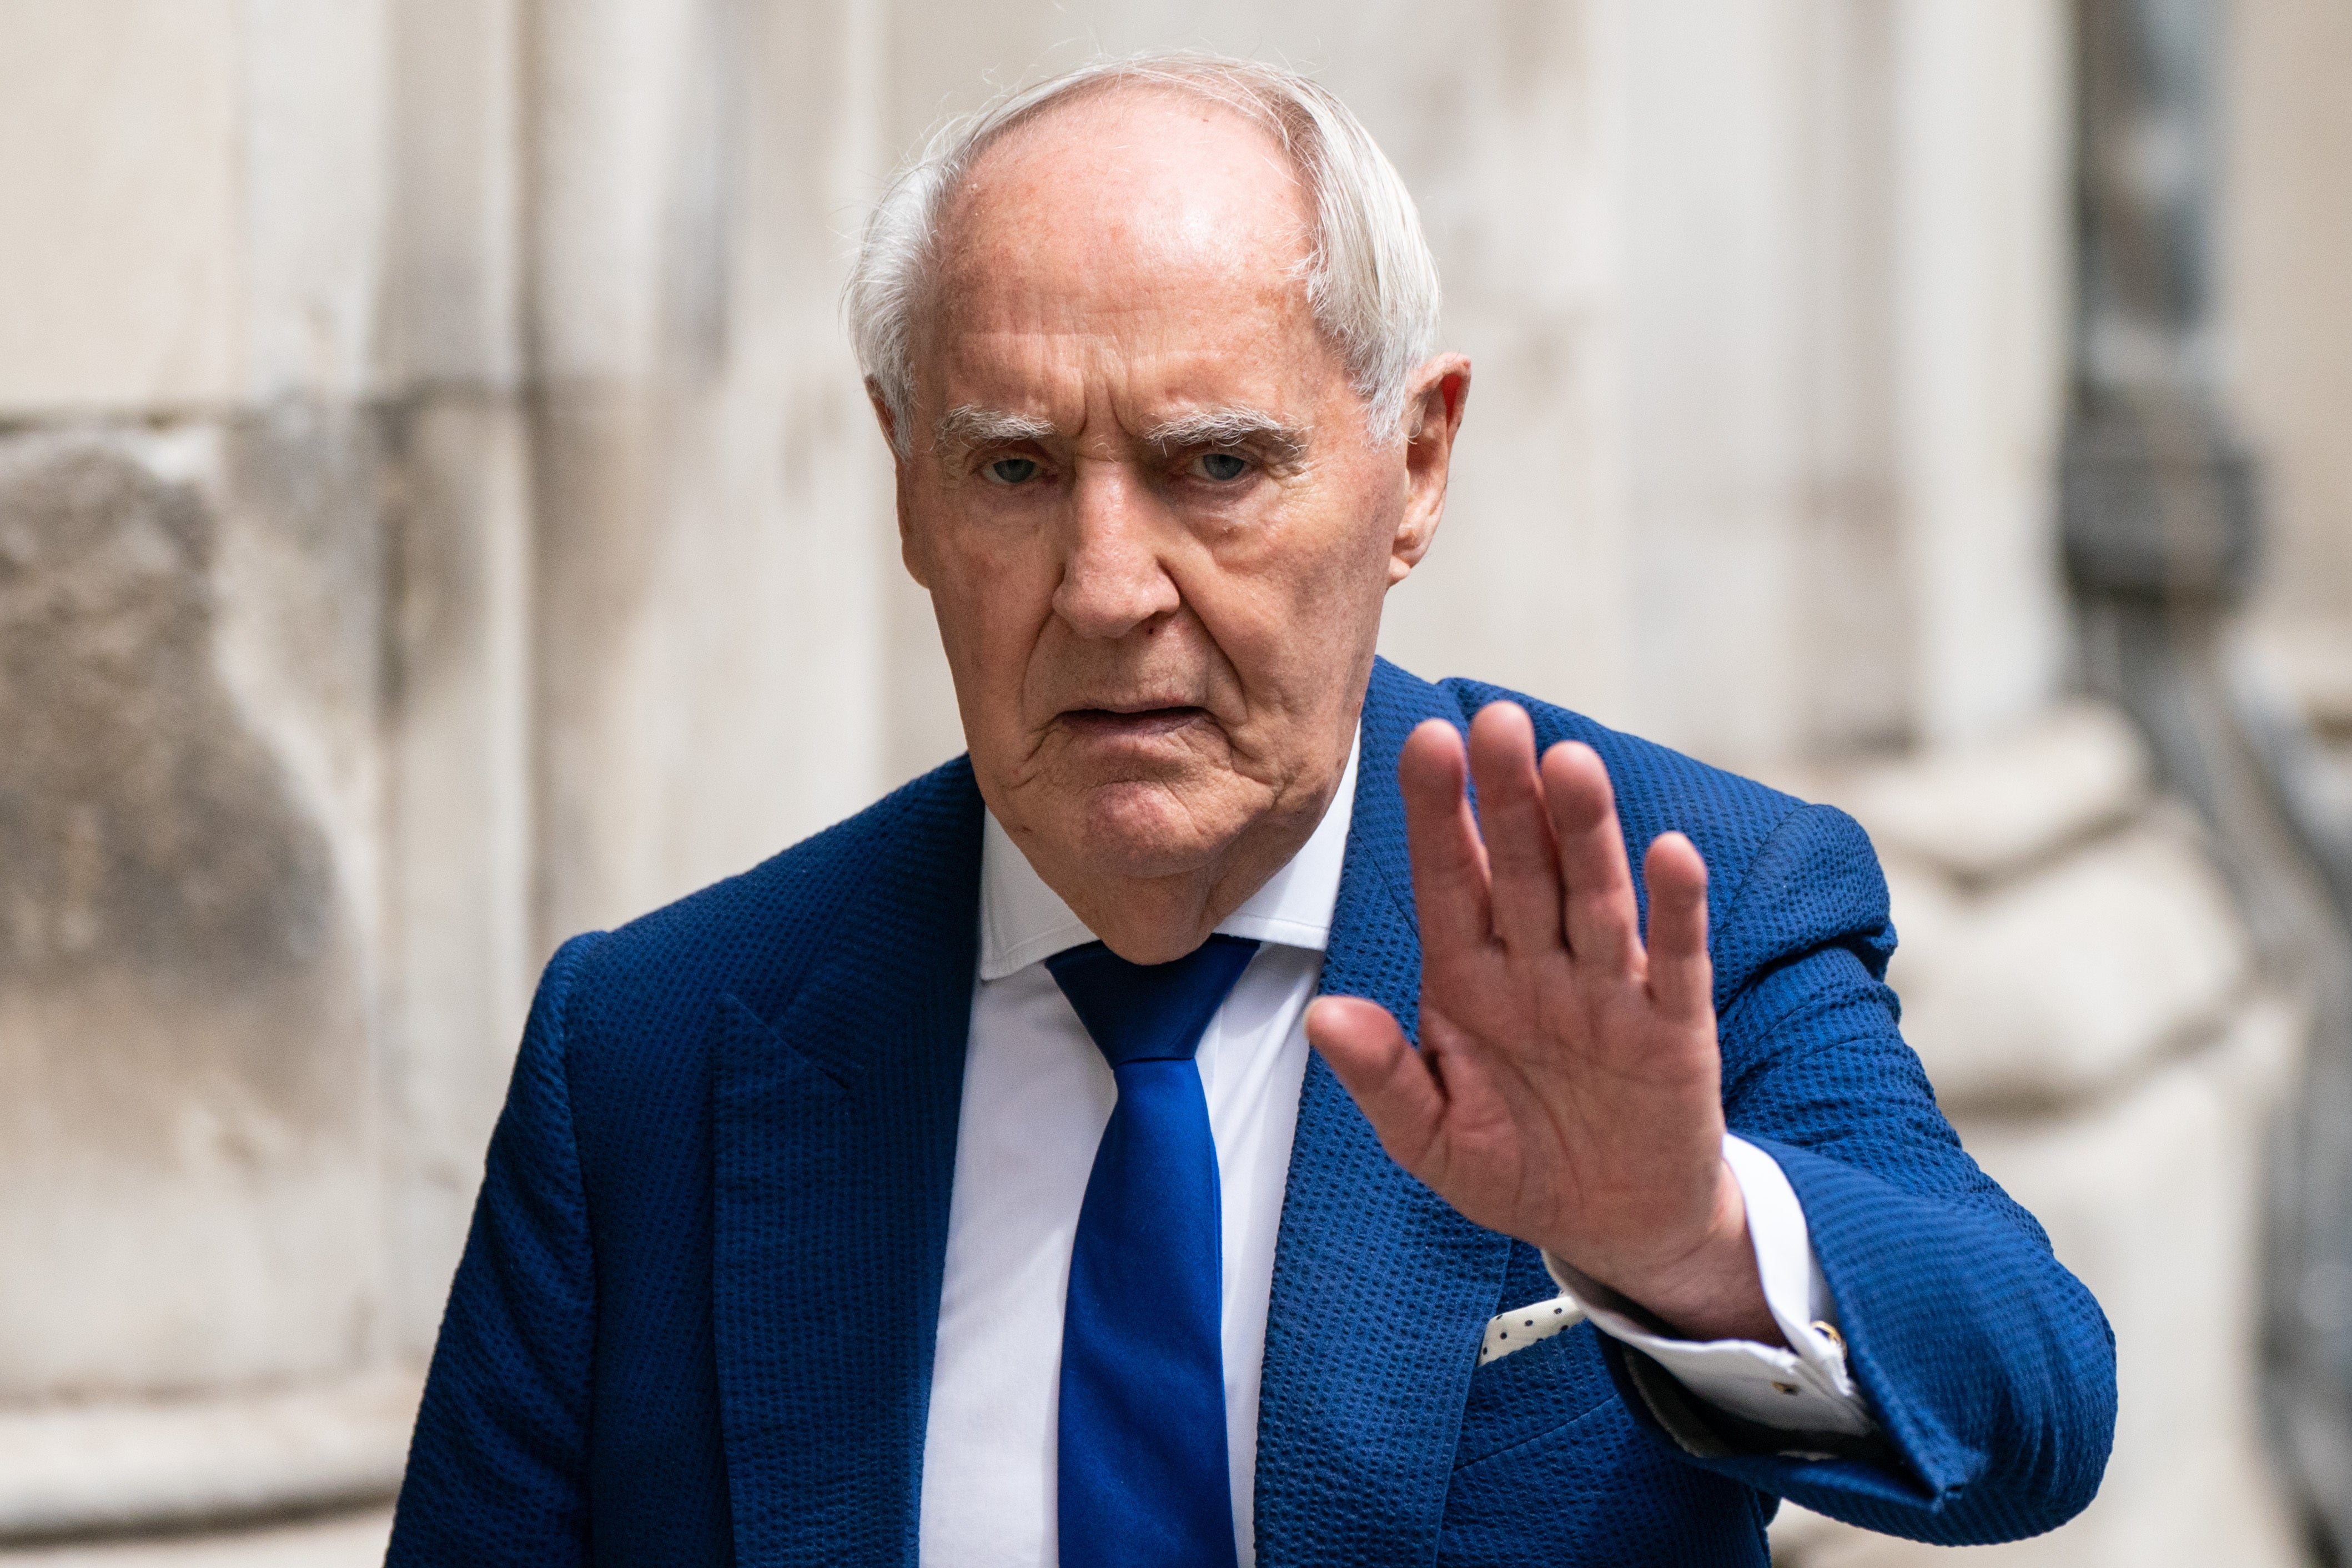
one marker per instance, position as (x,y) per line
(882,415)
(1432,418)
(908,553)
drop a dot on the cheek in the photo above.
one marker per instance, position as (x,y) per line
(1318,579)
(1291,605)
(1329,555)
(991,594)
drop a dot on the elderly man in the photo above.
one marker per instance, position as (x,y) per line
(961,1185)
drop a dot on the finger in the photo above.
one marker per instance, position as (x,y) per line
(1680,978)
(1372,1060)
(1449,864)
(1526,894)
(1603,922)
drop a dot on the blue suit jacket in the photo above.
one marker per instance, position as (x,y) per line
(695,1316)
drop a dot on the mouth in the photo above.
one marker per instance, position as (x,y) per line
(1138,724)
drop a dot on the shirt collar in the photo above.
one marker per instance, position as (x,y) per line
(1023,920)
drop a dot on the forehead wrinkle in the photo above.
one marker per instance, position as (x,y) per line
(1108,230)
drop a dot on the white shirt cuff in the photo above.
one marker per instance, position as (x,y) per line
(1805,1388)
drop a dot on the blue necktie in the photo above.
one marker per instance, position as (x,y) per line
(1143,1477)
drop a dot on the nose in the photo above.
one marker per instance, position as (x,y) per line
(1113,579)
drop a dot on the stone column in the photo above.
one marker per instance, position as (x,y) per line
(456,824)
(2079,983)
(2076,974)
(709,496)
(195,1318)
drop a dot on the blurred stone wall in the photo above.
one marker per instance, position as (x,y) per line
(439,513)
(2286,249)
(2286,235)
(2081,989)
(196,1152)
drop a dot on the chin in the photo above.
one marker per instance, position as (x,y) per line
(1143,831)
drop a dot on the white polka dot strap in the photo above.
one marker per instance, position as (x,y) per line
(1531,1324)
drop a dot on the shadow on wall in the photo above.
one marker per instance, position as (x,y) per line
(180,1157)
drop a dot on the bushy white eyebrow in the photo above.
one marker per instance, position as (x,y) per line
(968,425)
(1233,426)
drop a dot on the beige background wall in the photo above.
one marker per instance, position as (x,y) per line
(2287,252)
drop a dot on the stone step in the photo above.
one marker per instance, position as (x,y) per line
(84,1471)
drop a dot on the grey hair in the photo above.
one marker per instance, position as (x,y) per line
(1371,282)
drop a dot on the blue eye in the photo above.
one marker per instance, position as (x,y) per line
(1222,466)
(1013,470)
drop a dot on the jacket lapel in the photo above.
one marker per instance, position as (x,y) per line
(834,1127)
(1380,1290)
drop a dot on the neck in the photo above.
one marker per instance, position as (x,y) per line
(1157,919)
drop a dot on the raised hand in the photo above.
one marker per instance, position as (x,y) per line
(1568,1087)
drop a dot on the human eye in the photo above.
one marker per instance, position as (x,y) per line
(1219,468)
(1010,471)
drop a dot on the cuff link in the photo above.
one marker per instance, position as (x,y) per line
(1827,1331)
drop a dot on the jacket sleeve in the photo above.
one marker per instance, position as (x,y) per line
(496,1467)
(1988,1368)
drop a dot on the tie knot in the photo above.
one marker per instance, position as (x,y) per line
(1150,1012)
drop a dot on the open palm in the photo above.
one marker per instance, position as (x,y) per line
(1566,1090)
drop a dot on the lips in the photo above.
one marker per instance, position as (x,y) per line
(1144,723)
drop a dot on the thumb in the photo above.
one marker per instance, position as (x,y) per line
(1392,1085)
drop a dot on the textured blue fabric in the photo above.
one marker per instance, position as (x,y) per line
(1144,1478)
(695,1316)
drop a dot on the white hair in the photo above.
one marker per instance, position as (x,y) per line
(1371,281)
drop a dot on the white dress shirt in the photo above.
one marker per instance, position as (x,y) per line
(1036,1097)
